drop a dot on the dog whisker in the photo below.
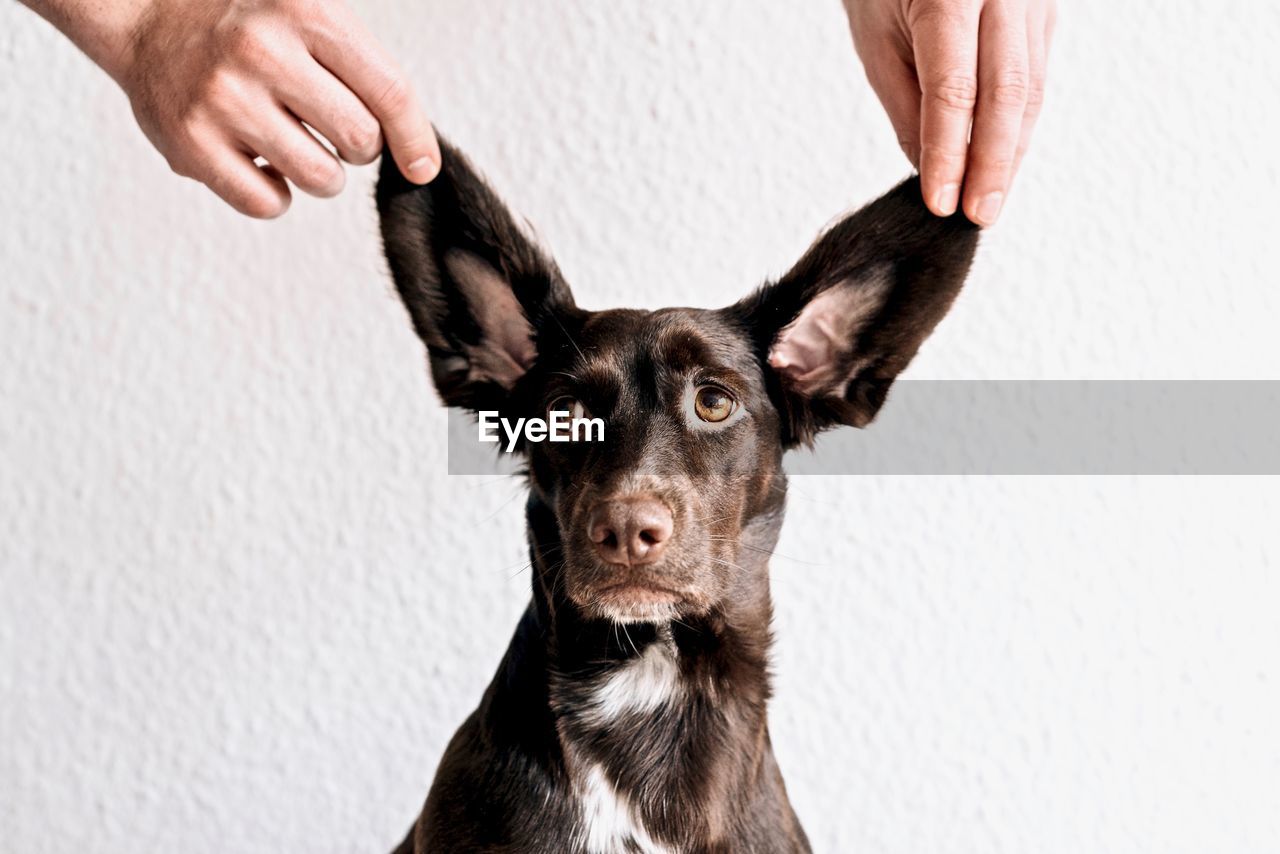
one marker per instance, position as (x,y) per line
(526,565)
(569,337)
(775,553)
(629,640)
(499,509)
(687,626)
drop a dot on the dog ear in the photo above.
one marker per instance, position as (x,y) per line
(835,331)
(477,288)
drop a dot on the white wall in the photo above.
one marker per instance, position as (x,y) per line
(242,608)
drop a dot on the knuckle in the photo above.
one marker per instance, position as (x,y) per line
(218,90)
(935,157)
(319,12)
(943,27)
(362,141)
(186,129)
(321,176)
(955,91)
(1009,88)
(395,97)
(242,41)
(1035,92)
(937,15)
(251,45)
(185,142)
(994,165)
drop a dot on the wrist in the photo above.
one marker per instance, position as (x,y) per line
(105,30)
(117,37)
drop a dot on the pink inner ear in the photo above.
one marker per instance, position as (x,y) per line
(812,351)
(506,350)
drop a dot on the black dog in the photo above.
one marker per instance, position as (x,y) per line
(629,713)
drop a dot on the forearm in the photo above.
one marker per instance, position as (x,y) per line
(103,29)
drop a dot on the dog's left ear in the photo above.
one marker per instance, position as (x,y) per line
(835,331)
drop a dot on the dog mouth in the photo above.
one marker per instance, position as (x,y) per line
(639,591)
(635,600)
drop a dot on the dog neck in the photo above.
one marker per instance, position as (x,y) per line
(647,725)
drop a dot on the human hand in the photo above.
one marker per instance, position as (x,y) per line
(962,82)
(217,83)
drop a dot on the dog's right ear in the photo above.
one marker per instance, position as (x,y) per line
(477,288)
(836,330)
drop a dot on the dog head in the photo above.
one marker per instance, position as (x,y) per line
(697,406)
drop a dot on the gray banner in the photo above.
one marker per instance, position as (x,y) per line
(1023,427)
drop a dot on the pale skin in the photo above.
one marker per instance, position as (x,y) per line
(962,82)
(219,86)
(223,89)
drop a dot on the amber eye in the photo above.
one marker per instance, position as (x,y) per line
(713,404)
(569,404)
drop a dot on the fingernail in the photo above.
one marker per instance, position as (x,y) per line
(947,199)
(424,168)
(989,208)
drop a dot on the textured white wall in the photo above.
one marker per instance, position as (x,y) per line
(242,608)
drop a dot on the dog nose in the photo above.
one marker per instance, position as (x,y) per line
(632,530)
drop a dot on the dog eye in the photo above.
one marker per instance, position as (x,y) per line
(713,404)
(569,404)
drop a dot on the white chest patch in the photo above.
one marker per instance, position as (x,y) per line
(610,822)
(642,685)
